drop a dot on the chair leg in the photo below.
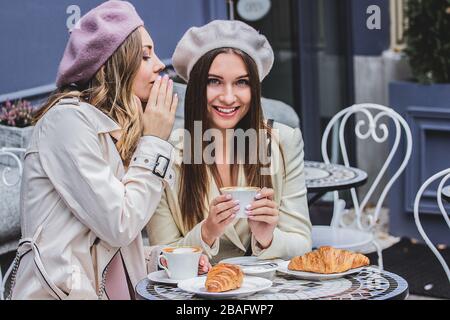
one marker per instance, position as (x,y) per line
(338,211)
(2,288)
(380,254)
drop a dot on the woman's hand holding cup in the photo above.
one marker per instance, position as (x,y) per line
(222,212)
(263,216)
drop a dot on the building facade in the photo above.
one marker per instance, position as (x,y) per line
(329,54)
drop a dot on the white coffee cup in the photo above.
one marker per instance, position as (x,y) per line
(182,262)
(245,195)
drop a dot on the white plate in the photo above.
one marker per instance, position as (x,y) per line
(161,277)
(253,263)
(283,268)
(250,285)
(255,267)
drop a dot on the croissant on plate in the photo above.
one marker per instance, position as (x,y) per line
(328,260)
(224,277)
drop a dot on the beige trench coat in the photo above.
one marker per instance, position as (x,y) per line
(292,236)
(78,206)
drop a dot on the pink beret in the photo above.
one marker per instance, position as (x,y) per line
(94,40)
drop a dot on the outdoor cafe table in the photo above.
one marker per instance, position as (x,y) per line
(368,284)
(321,178)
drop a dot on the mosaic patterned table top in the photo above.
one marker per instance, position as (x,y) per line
(368,284)
(319,175)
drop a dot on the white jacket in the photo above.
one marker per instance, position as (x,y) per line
(292,236)
(79,207)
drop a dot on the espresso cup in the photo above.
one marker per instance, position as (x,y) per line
(182,262)
(245,195)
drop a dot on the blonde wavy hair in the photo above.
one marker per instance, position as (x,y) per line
(110,90)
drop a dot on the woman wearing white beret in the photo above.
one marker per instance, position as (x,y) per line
(224,63)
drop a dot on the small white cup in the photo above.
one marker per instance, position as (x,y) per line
(182,262)
(245,195)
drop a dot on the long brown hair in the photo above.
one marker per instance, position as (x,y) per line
(194,183)
(110,90)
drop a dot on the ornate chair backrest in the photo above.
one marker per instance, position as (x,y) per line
(9,152)
(12,152)
(379,133)
(446,174)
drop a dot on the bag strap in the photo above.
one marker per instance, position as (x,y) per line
(270,123)
(27,245)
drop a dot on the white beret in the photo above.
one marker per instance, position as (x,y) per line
(196,42)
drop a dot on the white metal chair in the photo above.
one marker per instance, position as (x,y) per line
(359,232)
(446,174)
(10,152)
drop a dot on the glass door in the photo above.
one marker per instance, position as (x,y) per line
(313,59)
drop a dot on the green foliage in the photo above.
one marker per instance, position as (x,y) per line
(428,40)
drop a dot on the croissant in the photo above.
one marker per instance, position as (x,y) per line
(224,277)
(328,260)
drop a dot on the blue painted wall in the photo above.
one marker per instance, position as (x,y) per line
(427,111)
(368,42)
(33,33)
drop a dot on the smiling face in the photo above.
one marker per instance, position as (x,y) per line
(228,91)
(150,68)
(223,78)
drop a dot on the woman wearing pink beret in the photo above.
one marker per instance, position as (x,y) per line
(97,163)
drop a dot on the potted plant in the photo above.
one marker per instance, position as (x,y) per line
(424,101)
(15,126)
(427,39)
